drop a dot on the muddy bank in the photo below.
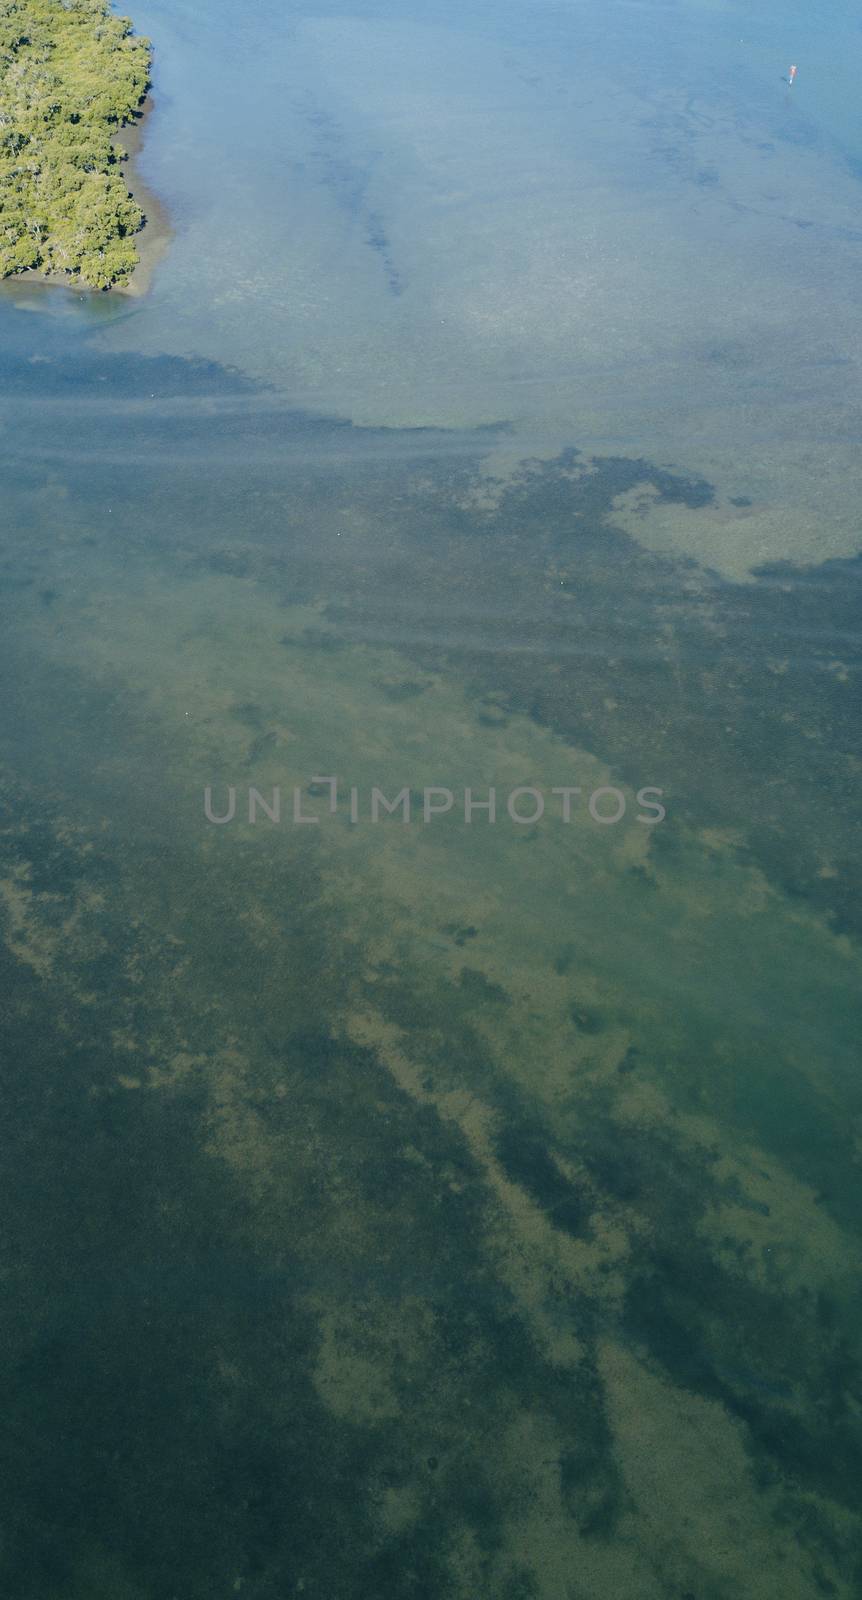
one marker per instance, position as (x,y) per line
(154,238)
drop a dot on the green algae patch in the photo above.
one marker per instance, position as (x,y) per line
(71,74)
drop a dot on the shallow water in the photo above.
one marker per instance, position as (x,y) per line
(443,1209)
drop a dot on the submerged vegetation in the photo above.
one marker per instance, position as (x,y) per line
(71,74)
(396,1214)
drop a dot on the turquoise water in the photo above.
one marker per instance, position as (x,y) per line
(452,1209)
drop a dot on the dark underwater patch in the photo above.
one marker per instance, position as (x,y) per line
(478,987)
(134,1291)
(525,1156)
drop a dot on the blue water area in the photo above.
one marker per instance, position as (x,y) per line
(468,1205)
